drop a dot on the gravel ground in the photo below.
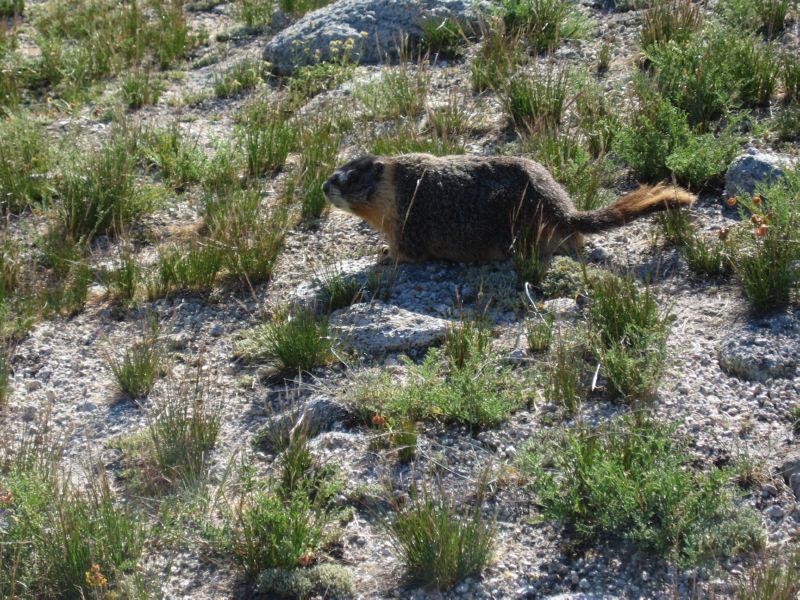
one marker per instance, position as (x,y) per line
(60,371)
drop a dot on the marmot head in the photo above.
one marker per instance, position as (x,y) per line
(353,183)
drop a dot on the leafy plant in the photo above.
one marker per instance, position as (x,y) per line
(631,481)
(564,374)
(95,191)
(765,261)
(179,160)
(479,394)
(254,13)
(183,429)
(539,331)
(61,541)
(338,290)
(247,237)
(11,8)
(319,143)
(496,59)
(628,329)
(651,134)
(400,92)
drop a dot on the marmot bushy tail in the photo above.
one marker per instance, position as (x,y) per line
(474,208)
(640,202)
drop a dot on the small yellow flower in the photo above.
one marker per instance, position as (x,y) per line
(94,578)
(363,34)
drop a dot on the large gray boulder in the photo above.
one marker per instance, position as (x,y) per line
(749,170)
(376,28)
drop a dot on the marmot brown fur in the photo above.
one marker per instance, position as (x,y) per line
(477,208)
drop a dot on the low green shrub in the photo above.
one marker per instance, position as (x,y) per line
(140,88)
(765,258)
(179,160)
(630,480)
(479,394)
(266,137)
(243,76)
(628,330)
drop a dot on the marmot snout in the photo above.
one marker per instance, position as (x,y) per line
(476,208)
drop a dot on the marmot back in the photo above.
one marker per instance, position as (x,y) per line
(475,208)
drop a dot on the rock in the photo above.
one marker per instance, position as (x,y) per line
(769,491)
(562,308)
(178,341)
(375,329)
(748,354)
(794,483)
(790,470)
(775,512)
(350,274)
(33,385)
(87,406)
(376,28)
(319,414)
(216,330)
(29,414)
(748,170)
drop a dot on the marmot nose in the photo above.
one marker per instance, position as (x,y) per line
(326,187)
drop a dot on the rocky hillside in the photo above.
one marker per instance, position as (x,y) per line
(213,384)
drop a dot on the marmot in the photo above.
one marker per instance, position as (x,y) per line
(477,208)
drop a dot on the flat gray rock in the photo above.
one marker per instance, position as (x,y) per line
(312,295)
(760,353)
(376,329)
(749,170)
(376,28)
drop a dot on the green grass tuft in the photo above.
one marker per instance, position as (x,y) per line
(136,373)
(294,341)
(439,541)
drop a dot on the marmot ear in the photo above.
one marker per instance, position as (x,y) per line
(377,166)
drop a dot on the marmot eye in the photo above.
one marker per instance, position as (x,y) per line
(353,176)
